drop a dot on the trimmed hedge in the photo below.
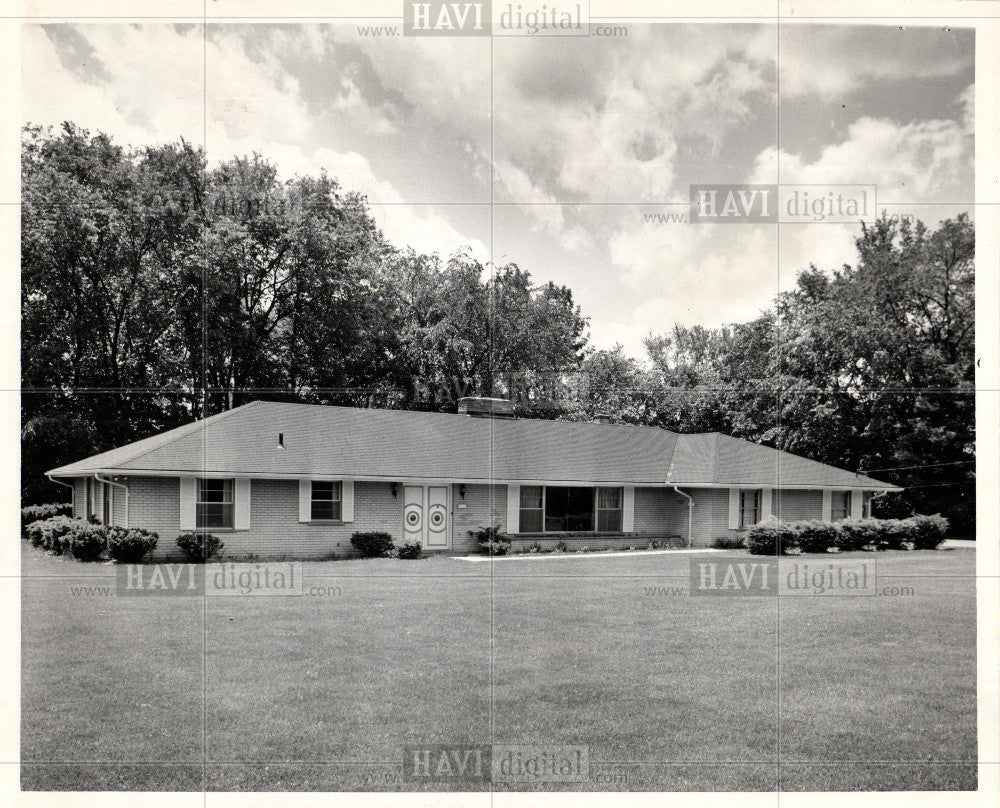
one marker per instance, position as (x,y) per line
(411,550)
(34,513)
(915,532)
(86,540)
(818,537)
(928,532)
(89,542)
(373,544)
(199,547)
(857,534)
(54,534)
(130,546)
(896,535)
(61,534)
(772,537)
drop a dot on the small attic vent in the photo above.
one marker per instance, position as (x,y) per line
(281,439)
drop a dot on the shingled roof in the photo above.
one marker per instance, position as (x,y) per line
(716,459)
(396,444)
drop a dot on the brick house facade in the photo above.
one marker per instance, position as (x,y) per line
(296,481)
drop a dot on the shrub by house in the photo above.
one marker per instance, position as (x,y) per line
(372,544)
(200,547)
(772,537)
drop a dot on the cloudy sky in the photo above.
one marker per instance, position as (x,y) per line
(589,136)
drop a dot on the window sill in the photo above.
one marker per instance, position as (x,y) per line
(218,530)
(326,522)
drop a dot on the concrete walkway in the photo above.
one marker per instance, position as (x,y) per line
(593,554)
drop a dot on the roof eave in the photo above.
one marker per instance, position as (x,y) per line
(788,486)
(68,471)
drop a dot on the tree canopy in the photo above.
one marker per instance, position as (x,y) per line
(156,289)
(869,367)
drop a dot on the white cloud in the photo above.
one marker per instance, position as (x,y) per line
(832,60)
(52,94)
(603,122)
(677,273)
(433,73)
(542,207)
(923,161)
(158,92)
(722,100)
(609,121)
(622,152)
(712,274)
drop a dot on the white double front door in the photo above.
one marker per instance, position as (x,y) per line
(425,515)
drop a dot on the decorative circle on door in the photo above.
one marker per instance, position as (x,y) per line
(412,517)
(437,516)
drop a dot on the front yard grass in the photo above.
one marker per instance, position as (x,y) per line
(667,691)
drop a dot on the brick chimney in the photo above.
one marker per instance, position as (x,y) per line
(481,407)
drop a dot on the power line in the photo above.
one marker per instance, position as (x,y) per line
(926,466)
(939,485)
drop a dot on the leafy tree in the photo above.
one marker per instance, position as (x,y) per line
(155,289)
(465,330)
(286,286)
(98,229)
(869,367)
(616,385)
(48,441)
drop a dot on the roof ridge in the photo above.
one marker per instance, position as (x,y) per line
(459,415)
(673,451)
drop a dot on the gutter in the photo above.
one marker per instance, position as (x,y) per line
(690,513)
(122,486)
(72,488)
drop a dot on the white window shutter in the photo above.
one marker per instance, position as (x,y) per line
(241,503)
(765,504)
(347,501)
(857,503)
(513,508)
(628,509)
(305,500)
(188,494)
(734,508)
(827,505)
